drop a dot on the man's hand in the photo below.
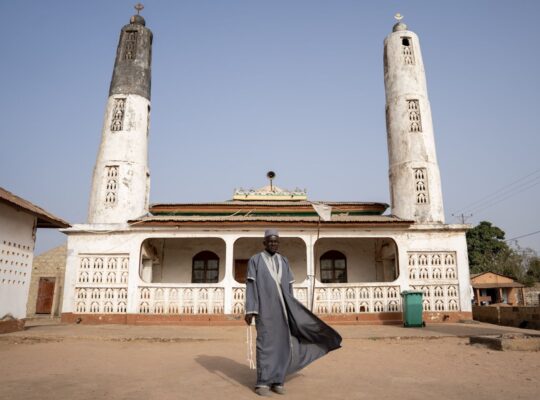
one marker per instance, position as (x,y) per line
(248,318)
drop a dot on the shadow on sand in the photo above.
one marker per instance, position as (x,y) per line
(233,371)
(228,369)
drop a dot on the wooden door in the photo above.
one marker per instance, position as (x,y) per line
(240,270)
(45,296)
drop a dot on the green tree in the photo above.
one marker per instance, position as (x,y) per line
(534,269)
(526,269)
(489,252)
(486,248)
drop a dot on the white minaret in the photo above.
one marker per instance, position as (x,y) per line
(121,181)
(415,182)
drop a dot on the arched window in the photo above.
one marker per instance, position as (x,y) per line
(333,267)
(205,267)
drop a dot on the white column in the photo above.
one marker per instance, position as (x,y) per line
(228,280)
(147,270)
(403,264)
(310,262)
(56,295)
(464,278)
(134,279)
(70,277)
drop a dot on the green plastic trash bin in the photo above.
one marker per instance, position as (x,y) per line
(412,308)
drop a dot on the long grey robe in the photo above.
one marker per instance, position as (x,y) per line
(289,336)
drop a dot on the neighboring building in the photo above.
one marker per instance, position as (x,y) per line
(491,288)
(19,220)
(169,262)
(47,284)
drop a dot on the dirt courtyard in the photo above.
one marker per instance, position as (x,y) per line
(215,366)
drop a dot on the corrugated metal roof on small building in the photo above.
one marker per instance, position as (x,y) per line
(488,279)
(497,285)
(44,218)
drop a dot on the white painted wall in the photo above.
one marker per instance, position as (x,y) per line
(102,242)
(437,238)
(16,256)
(408,150)
(297,245)
(128,149)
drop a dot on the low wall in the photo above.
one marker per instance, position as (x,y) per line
(388,318)
(11,325)
(521,317)
(486,314)
(446,316)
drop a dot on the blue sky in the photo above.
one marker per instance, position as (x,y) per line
(240,87)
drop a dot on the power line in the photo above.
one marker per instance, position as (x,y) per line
(511,191)
(504,188)
(522,236)
(501,191)
(507,193)
(497,201)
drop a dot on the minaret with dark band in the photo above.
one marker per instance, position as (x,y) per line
(121,180)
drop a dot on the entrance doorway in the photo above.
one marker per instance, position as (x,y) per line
(240,270)
(293,248)
(45,295)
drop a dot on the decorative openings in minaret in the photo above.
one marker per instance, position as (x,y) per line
(415,121)
(130,45)
(420,184)
(111,188)
(117,123)
(407,50)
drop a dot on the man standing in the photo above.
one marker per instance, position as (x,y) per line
(289,336)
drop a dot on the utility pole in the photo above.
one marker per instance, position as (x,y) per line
(462,217)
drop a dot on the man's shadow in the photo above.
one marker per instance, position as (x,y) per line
(232,371)
(228,369)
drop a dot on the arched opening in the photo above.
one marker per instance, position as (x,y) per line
(291,247)
(333,265)
(205,267)
(356,260)
(182,260)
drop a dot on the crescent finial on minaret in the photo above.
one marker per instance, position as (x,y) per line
(138,19)
(399,26)
(139,7)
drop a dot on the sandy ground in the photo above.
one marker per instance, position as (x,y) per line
(213,365)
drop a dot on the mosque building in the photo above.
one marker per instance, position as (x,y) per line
(135,262)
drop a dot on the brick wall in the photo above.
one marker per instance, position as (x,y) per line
(51,264)
(522,317)
(486,314)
